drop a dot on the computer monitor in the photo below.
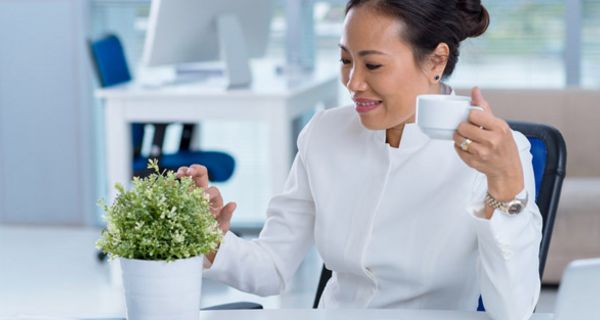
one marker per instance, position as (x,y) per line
(579,291)
(190,31)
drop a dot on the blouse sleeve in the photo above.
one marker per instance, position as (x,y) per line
(266,265)
(509,248)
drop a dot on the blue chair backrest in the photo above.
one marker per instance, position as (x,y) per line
(549,160)
(109,60)
(108,57)
(539,154)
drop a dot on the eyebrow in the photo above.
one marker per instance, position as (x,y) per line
(363,52)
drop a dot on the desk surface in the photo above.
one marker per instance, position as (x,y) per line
(313,314)
(345,314)
(266,82)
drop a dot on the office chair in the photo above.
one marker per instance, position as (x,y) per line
(549,156)
(111,68)
(109,61)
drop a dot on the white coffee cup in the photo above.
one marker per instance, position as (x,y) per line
(439,115)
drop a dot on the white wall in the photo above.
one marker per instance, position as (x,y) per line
(45,113)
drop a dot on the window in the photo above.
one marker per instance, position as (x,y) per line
(127,19)
(590,51)
(523,47)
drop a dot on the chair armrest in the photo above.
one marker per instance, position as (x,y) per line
(235,306)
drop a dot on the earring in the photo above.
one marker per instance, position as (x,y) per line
(437,78)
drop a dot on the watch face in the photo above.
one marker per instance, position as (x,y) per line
(515,207)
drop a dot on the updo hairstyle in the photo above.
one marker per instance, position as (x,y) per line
(431,22)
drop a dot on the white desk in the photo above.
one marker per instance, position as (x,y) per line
(346,314)
(272,99)
(313,314)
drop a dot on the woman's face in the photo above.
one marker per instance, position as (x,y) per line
(379,69)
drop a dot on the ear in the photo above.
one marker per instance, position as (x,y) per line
(437,62)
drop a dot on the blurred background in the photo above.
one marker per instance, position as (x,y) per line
(538,61)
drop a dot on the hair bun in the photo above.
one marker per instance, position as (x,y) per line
(474,16)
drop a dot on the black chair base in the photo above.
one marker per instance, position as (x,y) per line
(235,306)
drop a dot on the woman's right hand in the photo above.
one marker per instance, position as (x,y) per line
(222,214)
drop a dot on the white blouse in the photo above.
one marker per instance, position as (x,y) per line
(399,227)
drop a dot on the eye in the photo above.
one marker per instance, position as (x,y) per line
(373,66)
(344,61)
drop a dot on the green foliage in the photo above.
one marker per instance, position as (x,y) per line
(160,218)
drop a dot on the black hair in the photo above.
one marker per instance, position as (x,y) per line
(431,22)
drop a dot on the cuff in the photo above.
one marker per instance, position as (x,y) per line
(501,229)
(206,264)
(221,254)
(477,209)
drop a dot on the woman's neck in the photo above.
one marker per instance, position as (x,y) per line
(394,135)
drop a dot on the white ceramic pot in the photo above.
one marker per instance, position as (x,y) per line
(159,290)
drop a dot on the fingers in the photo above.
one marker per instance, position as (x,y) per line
(215,200)
(474,152)
(470,159)
(224,217)
(485,118)
(484,143)
(487,142)
(473,132)
(460,139)
(221,213)
(181,172)
(488,122)
(197,172)
(478,100)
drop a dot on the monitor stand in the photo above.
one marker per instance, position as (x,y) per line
(234,51)
(197,72)
(233,71)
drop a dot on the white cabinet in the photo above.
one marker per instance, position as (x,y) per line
(46,133)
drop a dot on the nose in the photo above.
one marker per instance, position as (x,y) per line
(356,81)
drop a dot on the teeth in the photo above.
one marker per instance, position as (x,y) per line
(367,104)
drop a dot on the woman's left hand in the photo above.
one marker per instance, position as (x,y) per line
(492,150)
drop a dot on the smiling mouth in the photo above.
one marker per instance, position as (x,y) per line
(366,106)
(368,103)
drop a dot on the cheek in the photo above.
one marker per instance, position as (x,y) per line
(344,75)
(399,88)
(386,86)
(396,82)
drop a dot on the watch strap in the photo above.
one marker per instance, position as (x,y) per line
(514,206)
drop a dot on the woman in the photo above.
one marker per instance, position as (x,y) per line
(403,221)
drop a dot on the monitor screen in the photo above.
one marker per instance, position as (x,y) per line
(185,31)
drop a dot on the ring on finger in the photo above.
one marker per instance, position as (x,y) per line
(464,145)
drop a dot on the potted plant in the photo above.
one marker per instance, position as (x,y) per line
(160,230)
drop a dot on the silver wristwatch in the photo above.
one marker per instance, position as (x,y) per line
(514,206)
